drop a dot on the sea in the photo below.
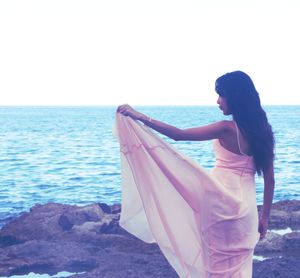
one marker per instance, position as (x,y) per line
(69,154)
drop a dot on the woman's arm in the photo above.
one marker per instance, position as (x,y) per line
(269,184)
(211,131)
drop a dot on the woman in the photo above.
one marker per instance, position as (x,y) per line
(205,223)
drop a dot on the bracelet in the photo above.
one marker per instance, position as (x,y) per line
(147,119)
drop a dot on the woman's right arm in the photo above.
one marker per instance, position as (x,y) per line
(269,184)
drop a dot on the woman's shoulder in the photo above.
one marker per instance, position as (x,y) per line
(230,131)
(223,125)
(225,128)
(228,125)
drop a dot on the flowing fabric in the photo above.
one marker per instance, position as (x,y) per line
(205,222)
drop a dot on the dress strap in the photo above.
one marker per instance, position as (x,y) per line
(238,138)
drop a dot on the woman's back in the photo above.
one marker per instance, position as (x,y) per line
(234,141)
(230,155)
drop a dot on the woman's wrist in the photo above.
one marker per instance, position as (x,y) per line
(145,119)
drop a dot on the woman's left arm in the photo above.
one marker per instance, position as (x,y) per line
(207,132)
(269,184)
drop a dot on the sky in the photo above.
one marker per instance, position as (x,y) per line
(145,52)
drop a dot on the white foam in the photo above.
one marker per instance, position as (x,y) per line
(282,231)
(262,258)
(259,258)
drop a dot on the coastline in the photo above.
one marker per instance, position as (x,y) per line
(88,240)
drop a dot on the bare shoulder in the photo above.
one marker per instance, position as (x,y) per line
(214,130)
(225,126)
(227,132)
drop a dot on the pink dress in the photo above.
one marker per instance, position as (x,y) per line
(205,222)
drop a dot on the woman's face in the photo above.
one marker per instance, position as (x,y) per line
(223,105)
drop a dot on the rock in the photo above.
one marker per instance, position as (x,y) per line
(55,237)
(279,219)
(295,220)
(270,244)
(277,268)
(45,257)
(105,208)
(7,240)
(133,266)
(65,223)
(284,214)
(291,242)
(286,205)
(116,208)
(46,222)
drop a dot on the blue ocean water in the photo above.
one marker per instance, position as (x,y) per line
(69,155)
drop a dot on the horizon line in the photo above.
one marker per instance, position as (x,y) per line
(115,105)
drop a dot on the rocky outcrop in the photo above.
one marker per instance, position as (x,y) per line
(88,240)
(285,214)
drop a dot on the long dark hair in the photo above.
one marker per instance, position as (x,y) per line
(244,105)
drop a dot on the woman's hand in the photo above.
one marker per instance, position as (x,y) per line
(263,227)
(127,110)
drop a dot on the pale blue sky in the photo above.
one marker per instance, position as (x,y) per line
(145,52)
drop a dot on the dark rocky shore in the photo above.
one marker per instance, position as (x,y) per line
(52,238)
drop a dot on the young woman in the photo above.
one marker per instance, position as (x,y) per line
(206,223)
